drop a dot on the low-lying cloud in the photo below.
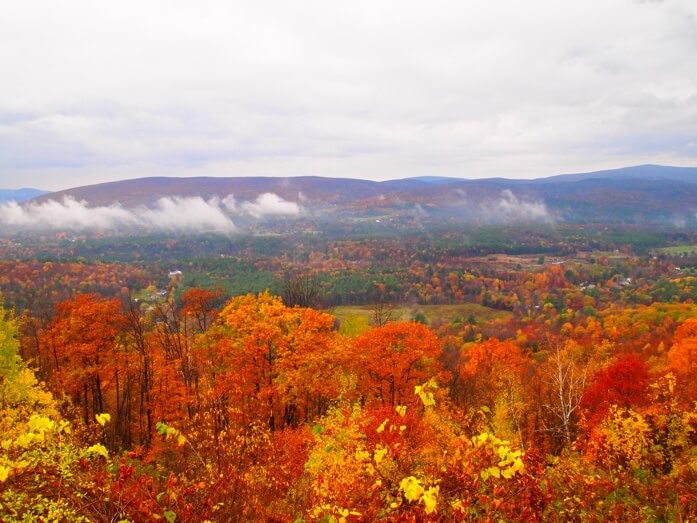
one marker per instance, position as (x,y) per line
(512,208)
(168,214)
(270,204)
(507,208)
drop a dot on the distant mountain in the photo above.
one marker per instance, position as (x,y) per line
(20,195)
(647,194)
(145,191)
(638,172)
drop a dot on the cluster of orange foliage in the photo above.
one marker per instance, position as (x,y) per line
(257,411)
(40,284)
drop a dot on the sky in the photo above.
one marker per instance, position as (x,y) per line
(94,91)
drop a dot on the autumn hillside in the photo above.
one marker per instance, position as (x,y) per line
(512,388)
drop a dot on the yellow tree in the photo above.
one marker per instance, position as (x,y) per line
(45,473)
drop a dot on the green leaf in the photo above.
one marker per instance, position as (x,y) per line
(161,428)
(170,516)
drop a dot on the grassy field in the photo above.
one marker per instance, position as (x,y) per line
(679,249)
(356,318)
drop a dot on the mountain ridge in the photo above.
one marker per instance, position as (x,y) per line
(637,195)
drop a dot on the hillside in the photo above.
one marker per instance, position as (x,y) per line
(648,194)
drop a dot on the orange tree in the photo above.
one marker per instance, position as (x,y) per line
(390,360)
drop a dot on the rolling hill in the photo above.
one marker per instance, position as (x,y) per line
(647,194)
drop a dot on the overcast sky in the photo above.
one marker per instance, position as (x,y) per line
(93,91)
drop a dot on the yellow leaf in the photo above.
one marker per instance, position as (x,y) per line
(411,488)
(25,440)
(480,439)
(379,455)
(430,499)
(4,473)
(401,410)
(362,455)
(98,449)
(40,423)
(103,418)
(382,426)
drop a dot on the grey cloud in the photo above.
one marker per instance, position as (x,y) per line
(358,89)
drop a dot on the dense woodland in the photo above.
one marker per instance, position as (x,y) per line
(204,379)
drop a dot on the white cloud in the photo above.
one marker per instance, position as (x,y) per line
(168,214)
(270,204)
(229,203)
(68,214)
(507,208)
(510,208)
(186,214)
(173,214)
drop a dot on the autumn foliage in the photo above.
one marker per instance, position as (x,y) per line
(194,407)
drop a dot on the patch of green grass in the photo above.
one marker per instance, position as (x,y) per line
(353,325)
(356,319)
(678,249)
